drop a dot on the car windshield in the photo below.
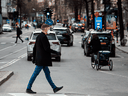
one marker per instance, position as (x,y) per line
(60,31)
(51,36)
(104,36)
(35,36)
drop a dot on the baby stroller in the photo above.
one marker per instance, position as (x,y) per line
(102,59)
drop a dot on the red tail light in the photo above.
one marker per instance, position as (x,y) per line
(31,43)
(82,27)
(56,43)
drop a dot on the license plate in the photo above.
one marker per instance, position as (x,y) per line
(103,43)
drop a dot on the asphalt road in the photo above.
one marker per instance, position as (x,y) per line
(74,72)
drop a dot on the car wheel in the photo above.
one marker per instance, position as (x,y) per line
(29,58)
(58,58)
(68,44)
(82,46)
(86,51)
(113,51)
(113,54)
(71,44)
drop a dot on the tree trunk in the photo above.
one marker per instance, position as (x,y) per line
(87,12)
(76,13)
(93,22)
(120,20)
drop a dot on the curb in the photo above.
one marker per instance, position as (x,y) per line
(122,50)
(6,77)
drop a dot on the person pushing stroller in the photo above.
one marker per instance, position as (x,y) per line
(96,46)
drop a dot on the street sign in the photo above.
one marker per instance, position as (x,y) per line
(34,20)
(49,22)
(8,21)
(57,21)
(98,22)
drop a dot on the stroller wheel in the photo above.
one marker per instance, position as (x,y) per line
(110,65)
(93,65)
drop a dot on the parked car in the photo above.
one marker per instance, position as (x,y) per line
(107,42)
(84,37)
(53,40)
(64,35)
(6,28)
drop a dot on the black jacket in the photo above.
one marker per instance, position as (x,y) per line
(42,51)
(18,31)
(96,45)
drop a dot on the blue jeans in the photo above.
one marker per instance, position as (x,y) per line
(35,74)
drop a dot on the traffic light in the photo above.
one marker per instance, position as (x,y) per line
(50,15)
(106,1)
(48,12)
(15,15)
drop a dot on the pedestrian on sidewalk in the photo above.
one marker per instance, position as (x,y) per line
(19,32)
(42,59)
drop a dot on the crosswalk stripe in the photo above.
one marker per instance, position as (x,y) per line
(25,94)
(20,94)
(56,95)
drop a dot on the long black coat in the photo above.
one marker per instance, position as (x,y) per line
(42,51)
(18,32)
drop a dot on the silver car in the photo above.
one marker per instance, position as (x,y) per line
(53,40)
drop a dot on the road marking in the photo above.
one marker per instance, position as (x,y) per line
(22,56)
(120,56)
(56,95)
(9,63)
(13,61)
(114,74)
(3,62)
(3,42)
(7,47)
(20,94)
(12,53)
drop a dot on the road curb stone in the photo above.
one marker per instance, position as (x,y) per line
(4,76)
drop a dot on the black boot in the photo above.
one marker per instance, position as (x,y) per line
(30,91)
(57,89)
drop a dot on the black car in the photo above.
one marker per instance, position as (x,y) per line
(84,37)
(107,42)
(64,35)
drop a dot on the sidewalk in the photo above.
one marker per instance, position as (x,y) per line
(122,48)
(4,76)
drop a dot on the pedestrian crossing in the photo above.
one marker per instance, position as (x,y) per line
(26,94)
